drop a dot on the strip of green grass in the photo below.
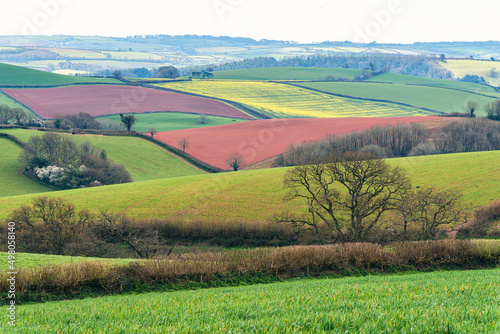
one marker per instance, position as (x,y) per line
(18,76)
(28,260)
(167,121)
(444,100)
(444,302)
(286,73)
(12,181)
(257,195)
(6,100)
(144,160)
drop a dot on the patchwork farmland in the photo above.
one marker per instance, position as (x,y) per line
(285,101)
(108,100)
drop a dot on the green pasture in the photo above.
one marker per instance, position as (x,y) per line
(437,302)
(15,75)
(444,100)
(144,160)
(6,100)
(169,121)
(286,73)
(258,194)
(12,181)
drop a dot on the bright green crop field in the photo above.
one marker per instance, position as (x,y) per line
(444,100)
(144,160)
(15,75)
(12,181)
(441,302)
(286,73)
(169,121)
(257,195)
(28,260)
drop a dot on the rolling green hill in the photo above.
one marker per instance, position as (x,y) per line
(257,195)
(20,76)
(444,302)
(286,73)
(169,121)
(12,181)
(434,98)
(144,160)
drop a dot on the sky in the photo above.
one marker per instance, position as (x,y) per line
(383,21)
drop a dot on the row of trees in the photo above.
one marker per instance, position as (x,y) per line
(16,116)
(60,162)
(465,135)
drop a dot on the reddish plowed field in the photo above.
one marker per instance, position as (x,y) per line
(99,100)
(262,139)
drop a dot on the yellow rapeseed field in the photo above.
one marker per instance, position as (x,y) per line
(281,100)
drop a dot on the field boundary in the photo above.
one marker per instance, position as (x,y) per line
(251,112)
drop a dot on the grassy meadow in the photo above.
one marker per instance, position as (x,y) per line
(281,101)
(444,302)
(11,178)
(6,100)
(144,160)
(15,75)
(257,195)
(443,100)
(286,73)
(29,260)
(169,121)
(474,67)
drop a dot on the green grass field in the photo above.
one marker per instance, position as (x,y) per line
(169,121)
(12,181)
(28,260)
(452,84)
(286,73)
(444,100)
(442,302)
(282,101)
(257,195)
(15,75)
(6,100)
(474,67)
(144,160)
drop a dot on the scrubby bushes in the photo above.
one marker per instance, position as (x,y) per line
(60,162)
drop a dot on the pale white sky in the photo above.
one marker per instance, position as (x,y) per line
(400,21)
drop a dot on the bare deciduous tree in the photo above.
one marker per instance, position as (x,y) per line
(183,143)
(235,161)
(152,132)
(472,107)
(429,209)
(347,198)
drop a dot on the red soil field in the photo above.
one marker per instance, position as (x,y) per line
(262,139)
(99,100)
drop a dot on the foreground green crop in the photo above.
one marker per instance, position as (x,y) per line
(443,302)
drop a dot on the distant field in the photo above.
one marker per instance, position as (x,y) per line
(453,84)
(444,100)
(75,53)
(144,160)
(286,73)
(99,100)
(12,181)
(262,139)
(284,101)
(28,260)
(257,195)
(15,75)
(443,302)
(134,55)
(169,121)
(474,67)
